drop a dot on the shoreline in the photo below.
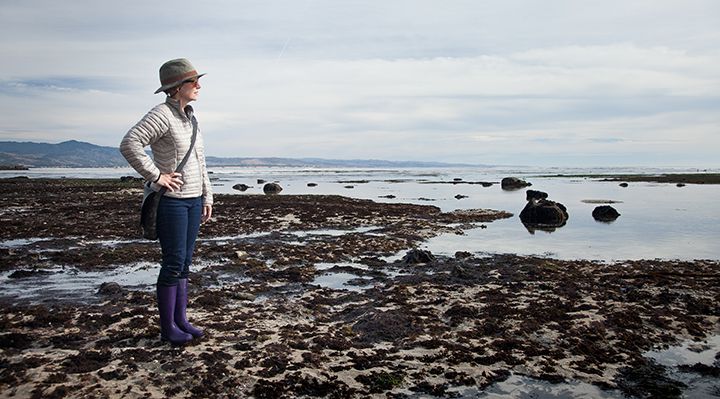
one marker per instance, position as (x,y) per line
(418,325)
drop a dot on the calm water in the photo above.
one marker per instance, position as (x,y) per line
(657,220)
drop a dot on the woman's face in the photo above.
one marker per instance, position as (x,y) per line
(188,90)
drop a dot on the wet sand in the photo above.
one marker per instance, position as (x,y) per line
(422,325)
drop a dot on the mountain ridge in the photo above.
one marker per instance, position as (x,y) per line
(80,154)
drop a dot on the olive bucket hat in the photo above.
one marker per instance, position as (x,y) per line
(174,72)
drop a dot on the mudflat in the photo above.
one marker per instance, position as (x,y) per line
(421,324)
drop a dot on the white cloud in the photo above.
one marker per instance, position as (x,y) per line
(402,80)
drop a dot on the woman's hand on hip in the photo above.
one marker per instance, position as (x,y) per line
(206,213)
(171,181)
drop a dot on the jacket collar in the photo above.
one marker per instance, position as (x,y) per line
(175,105)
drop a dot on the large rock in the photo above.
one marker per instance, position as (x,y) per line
(544,214)
(605,213)
(513,183)
(272,188)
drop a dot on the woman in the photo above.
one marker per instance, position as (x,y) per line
(168,130)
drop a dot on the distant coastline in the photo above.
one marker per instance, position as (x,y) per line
(78,154)
(679,178)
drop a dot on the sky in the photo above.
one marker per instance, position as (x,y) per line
(512,82)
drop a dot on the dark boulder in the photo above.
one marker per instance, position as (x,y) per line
(535,195)
(312,184)
(543,215)
(260,181)
(272,188)
(415,256)
(241,187)
(623,184)
(605,213)
(513,183)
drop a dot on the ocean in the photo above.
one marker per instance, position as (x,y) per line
(658,220)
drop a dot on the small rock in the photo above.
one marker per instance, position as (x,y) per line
(312,184)
(387,196)
(241,254)
(680,184)
(460,196)
(623,184)
(536,195)
(486,184)
(457,179)
(605,213)
(27,273)
(415,256)
(241,187)
(110,289)
(513,183)
(260,181)
(272,188)
(349,186)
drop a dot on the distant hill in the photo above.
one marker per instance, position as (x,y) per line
(78,154)
(71,154)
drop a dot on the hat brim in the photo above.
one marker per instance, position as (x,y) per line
(174,84)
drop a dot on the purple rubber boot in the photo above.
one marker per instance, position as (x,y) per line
(169,331)
(181,309)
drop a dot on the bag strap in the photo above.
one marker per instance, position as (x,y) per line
(182,163)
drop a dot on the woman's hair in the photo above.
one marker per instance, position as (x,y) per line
(172,91)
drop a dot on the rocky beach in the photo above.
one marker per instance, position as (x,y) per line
(306,296)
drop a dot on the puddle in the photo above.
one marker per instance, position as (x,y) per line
(688,353)
(340,281)
(517,386)
(332,232)
(21,242)
(69,283)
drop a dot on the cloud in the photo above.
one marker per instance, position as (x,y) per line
(466,82)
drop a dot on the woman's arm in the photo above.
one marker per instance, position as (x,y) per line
(150,128)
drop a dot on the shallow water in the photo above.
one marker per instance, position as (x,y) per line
(657,220)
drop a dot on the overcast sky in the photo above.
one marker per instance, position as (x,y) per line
(553,83)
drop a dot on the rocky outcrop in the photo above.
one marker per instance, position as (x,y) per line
(542,214)
(513,183)
(272,188)
(605,213)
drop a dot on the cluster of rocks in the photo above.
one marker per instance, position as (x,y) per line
(540,213)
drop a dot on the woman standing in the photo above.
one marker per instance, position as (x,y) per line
(168,130)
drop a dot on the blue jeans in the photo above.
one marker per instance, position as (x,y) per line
(178,223)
